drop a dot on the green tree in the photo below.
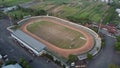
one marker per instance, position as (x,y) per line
(118,38)
(40,12)
(72,58)
(89,56)
(117,46)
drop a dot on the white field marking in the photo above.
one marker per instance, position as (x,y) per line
(83,38)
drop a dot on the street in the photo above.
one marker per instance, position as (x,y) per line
(15,52)
(106,56)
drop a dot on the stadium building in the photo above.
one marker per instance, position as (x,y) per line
(36,47)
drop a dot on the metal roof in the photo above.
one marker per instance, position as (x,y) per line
(33,43)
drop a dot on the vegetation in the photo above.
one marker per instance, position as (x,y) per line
(24,63)
(2,15)
(117,44)
(48,56)
(103,42)
(58,62)
(118,38)
(38,28)
(10,62)
(12,2)
(89,56)
(78,20)
(113,66)
(112,16)
(21,12)
(82,11)
(72,58)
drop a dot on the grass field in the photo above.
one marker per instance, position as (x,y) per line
(87,9)
(57,35)
(12,2)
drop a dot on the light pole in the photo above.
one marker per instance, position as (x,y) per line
(99,26)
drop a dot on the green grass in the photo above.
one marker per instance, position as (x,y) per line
(57,37)
(67,11)
(87,9)
(94,12)
(12,2)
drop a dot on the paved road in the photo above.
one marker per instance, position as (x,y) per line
(106,56)
(14,52)
(29,4)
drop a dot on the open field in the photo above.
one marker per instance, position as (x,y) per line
(87,9)
(57,35)
(12,2)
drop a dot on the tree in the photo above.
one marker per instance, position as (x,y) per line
(72,58)
(2,0)
(89,56)
(24,63)
(40,12)
(117,46)
(118,38)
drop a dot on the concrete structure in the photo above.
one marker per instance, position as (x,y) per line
(12,66)
(5,10)
(30,43)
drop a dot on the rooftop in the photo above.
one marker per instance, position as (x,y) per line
(33,43)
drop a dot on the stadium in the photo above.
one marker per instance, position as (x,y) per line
(59,37)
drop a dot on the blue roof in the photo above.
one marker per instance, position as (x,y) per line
(33,43)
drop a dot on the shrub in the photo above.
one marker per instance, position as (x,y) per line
(89,56)
(24,63)
(58,62)
(49,56)
(10,62)
(117,46)
(118,38)
(72,58)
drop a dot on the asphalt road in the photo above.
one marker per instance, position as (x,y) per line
(106,56)
(15,52)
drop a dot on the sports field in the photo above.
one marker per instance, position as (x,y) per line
(58,35)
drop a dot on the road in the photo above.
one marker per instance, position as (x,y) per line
(29,4)
(15,52)
(106,56)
